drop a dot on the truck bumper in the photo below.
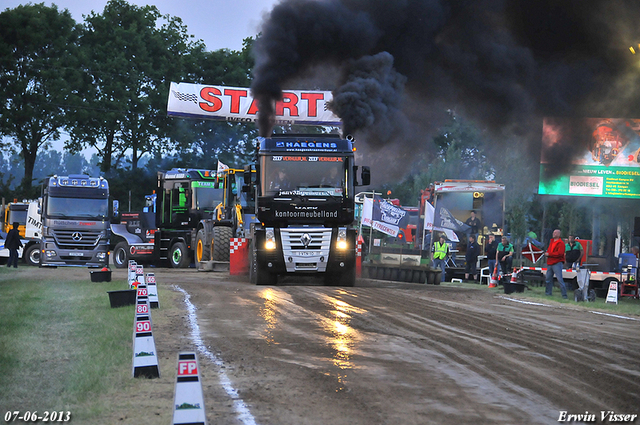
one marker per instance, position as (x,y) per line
(67,257)
(324,258)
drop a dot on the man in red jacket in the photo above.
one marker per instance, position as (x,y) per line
(555,258)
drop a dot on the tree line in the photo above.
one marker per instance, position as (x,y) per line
(103,84)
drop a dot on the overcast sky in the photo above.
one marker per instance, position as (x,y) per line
(219,23)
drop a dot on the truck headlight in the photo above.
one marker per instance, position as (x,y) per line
(270,239)
(341,242)
(101,255)
(51,253)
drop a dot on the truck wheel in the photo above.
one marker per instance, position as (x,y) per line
(252,264)
(220,243)
(203,249)
(32,255)
(264,277)
(120,255)
(259,275)
(179,256)
(348,278)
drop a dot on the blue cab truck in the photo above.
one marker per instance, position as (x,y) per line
(303,186)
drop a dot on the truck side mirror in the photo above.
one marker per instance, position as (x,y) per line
(116,208)
(365,176)
(250,178)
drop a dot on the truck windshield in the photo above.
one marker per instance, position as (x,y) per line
(207,198)
(77,207)
(311,175)
(17,216)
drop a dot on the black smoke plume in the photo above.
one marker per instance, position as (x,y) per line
(370,94)
(504,63)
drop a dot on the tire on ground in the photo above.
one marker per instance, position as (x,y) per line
(220,243)
(203,249)
(259,275)
(121,255)
(32,255)
(179,256)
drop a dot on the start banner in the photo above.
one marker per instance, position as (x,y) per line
(235,104)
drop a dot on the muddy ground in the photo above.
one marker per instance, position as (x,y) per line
(392,353)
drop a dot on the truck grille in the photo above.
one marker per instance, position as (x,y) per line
(308,248)
(73,239)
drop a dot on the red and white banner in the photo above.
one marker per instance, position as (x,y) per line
(236,104)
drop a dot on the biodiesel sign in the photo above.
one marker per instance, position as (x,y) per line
(602,157)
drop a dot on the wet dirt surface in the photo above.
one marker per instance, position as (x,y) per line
(393,353)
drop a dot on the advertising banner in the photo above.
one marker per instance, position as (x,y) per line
(384,216)
(429,213)
(445,220)
(602,157)
(235,104)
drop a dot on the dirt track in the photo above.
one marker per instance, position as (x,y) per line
(390,353)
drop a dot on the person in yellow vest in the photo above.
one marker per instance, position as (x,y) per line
(440,251)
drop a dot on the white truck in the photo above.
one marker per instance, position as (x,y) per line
(27,214)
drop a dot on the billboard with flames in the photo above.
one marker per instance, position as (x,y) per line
(590,157)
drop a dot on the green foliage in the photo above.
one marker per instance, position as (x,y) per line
(129,58)
(37,66)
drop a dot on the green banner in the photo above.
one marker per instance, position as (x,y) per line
(590,180)
(211,184)
(597,157)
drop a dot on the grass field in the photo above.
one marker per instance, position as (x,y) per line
(63,348)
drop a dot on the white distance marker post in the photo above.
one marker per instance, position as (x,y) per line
(131,275)
(612,294)
(140,274)
(145,358)
(153,290)
(188,405)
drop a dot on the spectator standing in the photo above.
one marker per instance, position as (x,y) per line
(13,243)
(573,253)
(555,259)
(474,223)
(440,252)
(471,258)
(490,250)
(504,255)
(635,250)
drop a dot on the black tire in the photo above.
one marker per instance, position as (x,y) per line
(179,256)
(348,277)
(253,264)
(578,295)
(121,255)
(260,275)
(591,295)
(264,277)
(220,243)
(202,250)
(32,255)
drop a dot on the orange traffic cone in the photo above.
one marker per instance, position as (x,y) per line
(493,280)
(514,277)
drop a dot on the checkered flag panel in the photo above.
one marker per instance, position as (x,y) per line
(236,243)
(185,97)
